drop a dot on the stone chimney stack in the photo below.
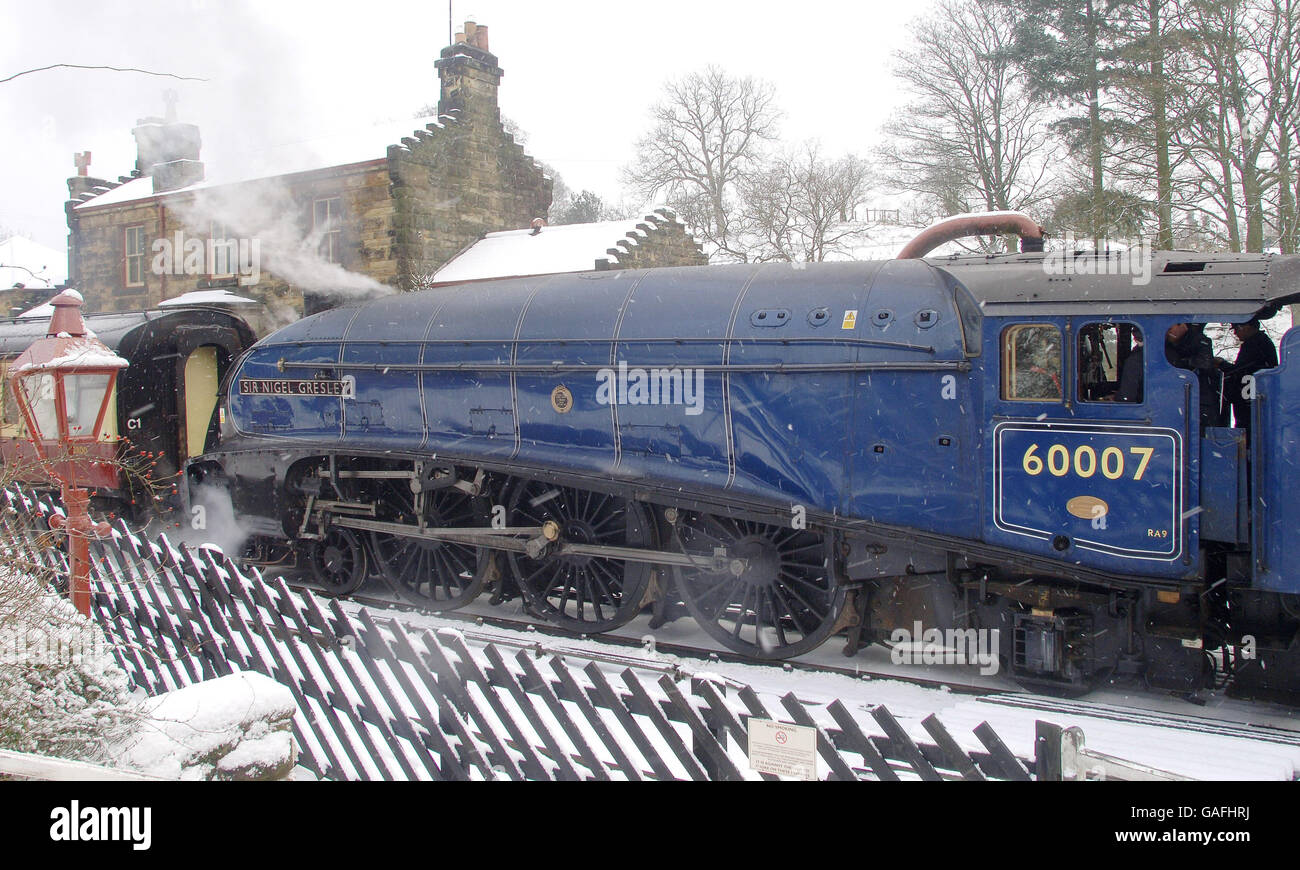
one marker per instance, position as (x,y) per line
(469,77)
(168,150)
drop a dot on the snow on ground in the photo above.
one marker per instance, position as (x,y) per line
(223,719)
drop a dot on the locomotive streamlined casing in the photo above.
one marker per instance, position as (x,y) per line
(472,373)
(871,395)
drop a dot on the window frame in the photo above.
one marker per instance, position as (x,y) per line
(1135,330)
(128,257)
(331,241)
(1006,360)
(227,244)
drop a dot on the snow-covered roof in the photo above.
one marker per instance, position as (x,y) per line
(45,309)
(207,297)
(336,148)
(31,264)
(565,248)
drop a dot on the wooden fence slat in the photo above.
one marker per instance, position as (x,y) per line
(593,718)
(646,706)
(956,756)
(718,706)
(450,683)
(909,751)
(533,765)
(520,694)
(374,641)
(860,743)
(839,769)
(1009,767)
(470,755)
(605,692)
(703,736)
(288,610)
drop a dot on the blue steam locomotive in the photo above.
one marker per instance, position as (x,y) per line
(791,452)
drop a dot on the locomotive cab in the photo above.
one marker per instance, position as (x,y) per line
(1107,454)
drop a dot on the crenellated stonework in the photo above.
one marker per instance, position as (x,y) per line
(659,240)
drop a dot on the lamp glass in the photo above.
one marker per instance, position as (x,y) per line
(84,396)
(39,390)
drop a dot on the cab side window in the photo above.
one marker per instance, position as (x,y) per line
(1031,363)
(1111,363)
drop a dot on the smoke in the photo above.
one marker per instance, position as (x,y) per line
(278,227)
(212,522)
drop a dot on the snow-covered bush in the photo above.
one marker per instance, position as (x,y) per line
(61,693)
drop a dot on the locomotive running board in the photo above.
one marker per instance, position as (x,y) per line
(518,539)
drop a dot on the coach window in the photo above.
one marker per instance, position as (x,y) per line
(1110,361)
(1031,363)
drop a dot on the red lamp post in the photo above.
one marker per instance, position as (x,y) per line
(62,384)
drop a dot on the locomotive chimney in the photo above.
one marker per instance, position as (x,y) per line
(469,77)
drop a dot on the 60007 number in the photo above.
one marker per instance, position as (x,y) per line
(1085,462)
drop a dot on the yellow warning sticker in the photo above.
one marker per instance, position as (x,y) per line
(850,318)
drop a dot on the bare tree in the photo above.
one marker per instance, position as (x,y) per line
(802,207)
(707,141)
(971,138)
(1239,98)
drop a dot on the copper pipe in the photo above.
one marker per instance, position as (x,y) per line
(963,226)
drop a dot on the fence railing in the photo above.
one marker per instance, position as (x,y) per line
(380,700)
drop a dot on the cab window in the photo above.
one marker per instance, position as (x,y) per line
(1110,363)
(1031,363)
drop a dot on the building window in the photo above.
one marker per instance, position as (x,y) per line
(135,256)
(223,249)
(1031,363)
(327,224)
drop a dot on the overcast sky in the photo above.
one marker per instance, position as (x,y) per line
(579,76)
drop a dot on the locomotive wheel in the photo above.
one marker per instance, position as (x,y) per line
(775,600)
(585,594)
(338,561)
(441,574)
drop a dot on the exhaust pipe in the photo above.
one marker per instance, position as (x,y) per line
(986,224)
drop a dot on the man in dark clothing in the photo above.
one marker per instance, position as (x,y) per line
(1130,375)
(1187,347)
(1257,353)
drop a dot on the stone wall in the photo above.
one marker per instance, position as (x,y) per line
(98,239)
(659,240)
(464,176)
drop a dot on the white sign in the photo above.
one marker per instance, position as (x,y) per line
(785,750)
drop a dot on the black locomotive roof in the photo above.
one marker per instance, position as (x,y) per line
(1062,283)
(17,334)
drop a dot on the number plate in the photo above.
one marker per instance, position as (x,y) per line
(1110,489)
